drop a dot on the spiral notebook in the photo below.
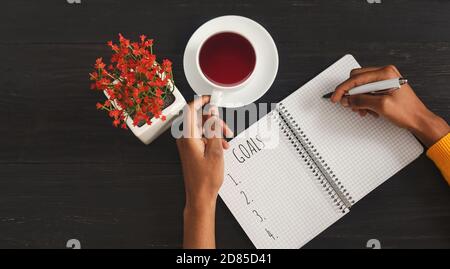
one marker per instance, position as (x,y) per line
(304,165)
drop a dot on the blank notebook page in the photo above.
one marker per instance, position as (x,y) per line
(363,152)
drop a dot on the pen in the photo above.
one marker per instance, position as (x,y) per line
(379,87)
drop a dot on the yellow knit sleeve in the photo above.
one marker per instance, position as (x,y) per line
(439,153)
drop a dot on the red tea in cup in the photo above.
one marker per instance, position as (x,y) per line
(227,59)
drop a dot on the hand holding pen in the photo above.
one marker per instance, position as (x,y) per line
(375,88)
(401,106)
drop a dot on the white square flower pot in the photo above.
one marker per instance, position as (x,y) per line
(148,133)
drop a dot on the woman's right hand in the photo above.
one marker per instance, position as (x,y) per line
(402,107)
(201,153)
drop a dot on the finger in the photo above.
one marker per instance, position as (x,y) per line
(200,101)
(355,81)
(213,111)
(373,113)
(226,131)
(225,144)
(362,112)
(344,102)
(214,148)
(214,129)
(361,70)
(366,101)
(193,120)
(386,72)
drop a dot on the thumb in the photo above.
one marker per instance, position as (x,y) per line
(366,101)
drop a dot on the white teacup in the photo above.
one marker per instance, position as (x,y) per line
(218,89)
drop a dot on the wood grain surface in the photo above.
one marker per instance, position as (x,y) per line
(66,173)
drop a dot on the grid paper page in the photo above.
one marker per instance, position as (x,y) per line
(271,192)
(362,152)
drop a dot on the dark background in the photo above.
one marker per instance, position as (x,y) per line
(65,172)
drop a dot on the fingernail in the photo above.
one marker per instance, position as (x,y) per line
(226,145)
(344,102)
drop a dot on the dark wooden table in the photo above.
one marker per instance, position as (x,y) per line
(66,173)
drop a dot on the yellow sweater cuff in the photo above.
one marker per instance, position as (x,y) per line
(439,153)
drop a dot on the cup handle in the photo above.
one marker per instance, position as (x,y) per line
(216,97)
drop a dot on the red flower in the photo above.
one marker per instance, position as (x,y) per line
(115,113)
(124,43)
(99,63)
(133,82)
(167,65)
(93,75)
(148,43)
(113,46)
(103,83)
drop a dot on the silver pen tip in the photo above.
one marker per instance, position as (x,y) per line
(403,81)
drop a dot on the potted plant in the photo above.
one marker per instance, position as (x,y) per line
(141,93)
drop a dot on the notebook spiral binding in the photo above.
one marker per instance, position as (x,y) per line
(339,196)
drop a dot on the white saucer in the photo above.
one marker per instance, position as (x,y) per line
(265,70)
